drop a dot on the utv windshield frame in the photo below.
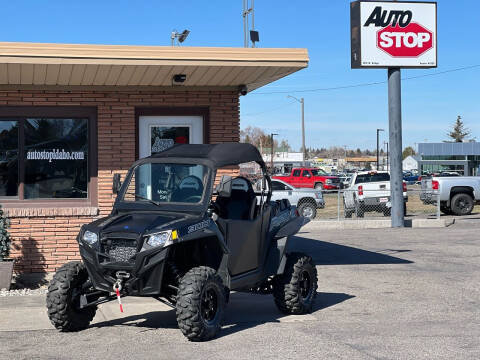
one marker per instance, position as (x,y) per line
(211,156)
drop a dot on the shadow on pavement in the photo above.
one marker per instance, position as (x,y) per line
(244,311)
(327,253)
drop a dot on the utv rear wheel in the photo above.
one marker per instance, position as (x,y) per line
(295,290)
(200,304)
(63,298)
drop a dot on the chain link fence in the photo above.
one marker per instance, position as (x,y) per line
(349,204)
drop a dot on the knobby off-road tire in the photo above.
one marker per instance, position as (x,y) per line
(200,304)
(295,290)
(63,298)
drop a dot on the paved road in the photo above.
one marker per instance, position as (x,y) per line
(383,293)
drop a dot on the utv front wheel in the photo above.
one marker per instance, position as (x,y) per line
(295,290)
(63,298)
(200,304)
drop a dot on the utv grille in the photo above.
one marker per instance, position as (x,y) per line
(122,250)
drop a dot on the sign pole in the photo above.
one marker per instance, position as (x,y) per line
(395,139)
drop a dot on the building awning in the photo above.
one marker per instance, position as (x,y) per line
(124,65)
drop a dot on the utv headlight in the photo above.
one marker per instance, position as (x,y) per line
(90,237)
(159,239)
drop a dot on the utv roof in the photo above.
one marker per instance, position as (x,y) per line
(218,154)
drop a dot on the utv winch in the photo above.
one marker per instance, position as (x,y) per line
(175,236)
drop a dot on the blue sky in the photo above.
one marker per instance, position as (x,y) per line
(339,117)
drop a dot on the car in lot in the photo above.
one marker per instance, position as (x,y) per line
(174,236)
(410,178)
(370,191)
(312,178)
(458,194)
(306,200)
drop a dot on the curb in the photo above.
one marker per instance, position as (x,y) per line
(375,224)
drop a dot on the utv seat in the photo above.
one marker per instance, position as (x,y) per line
(241,203)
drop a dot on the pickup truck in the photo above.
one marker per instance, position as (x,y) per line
(370,191)
(311,178)
(306,200)
(458,194)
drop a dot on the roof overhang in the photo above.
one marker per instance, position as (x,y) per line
(153,66)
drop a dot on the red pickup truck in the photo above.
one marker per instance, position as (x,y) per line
(311,178)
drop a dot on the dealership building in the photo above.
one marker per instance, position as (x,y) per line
(71,116)
(461,157)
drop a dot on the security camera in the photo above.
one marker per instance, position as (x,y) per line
(179,78)
(242,89)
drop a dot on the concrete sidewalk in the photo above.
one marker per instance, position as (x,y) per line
(26,313)
(376,224)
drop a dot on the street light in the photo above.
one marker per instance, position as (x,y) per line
(378,130)
(271,151)
(301,101)
(386,143)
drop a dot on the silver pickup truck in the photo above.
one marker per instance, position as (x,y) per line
(307,200)
(458,194)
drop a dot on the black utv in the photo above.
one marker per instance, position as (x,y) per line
(174,236)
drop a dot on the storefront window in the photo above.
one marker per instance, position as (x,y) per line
(56,158)
(8,158)
(47,154)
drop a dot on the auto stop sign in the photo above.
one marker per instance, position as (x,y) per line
(393,34)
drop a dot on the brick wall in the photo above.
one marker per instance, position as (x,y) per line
(44,239)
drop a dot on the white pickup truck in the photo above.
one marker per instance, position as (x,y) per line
(369,191)
(458,194)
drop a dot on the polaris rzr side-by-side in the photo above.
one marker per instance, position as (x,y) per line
(175,236)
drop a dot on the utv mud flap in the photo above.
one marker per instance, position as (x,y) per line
(292,227)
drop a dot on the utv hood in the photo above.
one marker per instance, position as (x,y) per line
(140,223)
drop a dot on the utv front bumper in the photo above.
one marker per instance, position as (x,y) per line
(145,270)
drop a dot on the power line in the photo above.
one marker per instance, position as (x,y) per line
(271,110)
(366,84)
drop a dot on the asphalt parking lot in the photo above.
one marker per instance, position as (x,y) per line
(383,294)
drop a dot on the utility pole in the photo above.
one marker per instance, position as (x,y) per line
(395,140)
(302,102)
(247,10)
(271,150)
(378,130)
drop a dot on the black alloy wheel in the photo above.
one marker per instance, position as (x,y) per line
(209,305)
(305,285)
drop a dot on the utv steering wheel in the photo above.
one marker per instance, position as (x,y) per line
(193,199)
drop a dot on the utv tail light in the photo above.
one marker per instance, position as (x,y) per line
(360,190)
(435,185)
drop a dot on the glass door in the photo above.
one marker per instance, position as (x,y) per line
(158,133)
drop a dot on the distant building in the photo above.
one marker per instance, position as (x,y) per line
(284,161)
(410,163)
(361,162)
(463,157)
